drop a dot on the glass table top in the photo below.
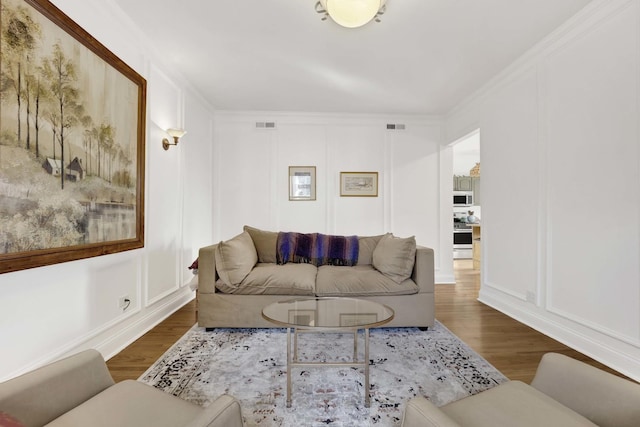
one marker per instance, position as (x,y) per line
(328,313)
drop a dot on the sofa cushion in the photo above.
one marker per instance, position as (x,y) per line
(265,243)
(360,280)
(234,260)
(513,404)
(394,257)
(367,246)
(273,279)
(130,403)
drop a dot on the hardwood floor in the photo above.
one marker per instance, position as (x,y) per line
(513,348)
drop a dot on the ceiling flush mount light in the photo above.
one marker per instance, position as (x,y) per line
(176,134)
(351,13)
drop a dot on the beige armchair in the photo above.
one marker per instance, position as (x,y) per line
(564,392)
(79,391)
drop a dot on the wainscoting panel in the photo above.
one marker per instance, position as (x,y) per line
(510,181)
(593,156)
(163,191)
(356,148)
(242,177)
(301,144)
(414,180)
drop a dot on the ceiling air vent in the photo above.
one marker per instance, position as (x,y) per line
(265,125)
(395,126)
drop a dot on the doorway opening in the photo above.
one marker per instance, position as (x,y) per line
(466,194)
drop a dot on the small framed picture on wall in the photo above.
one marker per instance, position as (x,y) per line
(359,184)
(302,183)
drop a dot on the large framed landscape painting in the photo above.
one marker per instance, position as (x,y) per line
(72,126)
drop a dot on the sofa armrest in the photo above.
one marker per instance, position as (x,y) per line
(419,412)
(223,412)
(423,270)
(42,395)
(603,398)
(207,274)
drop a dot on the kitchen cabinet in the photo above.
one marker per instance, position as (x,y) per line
(462,183)
(468,183)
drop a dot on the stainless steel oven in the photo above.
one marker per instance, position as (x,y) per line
(462,240)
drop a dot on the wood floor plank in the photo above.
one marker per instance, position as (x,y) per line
(510,346)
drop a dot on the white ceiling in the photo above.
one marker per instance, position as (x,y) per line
(423,58)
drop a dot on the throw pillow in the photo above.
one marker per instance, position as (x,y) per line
(265,242)
(394,257)
(235,259)
(367,246)
(7,420)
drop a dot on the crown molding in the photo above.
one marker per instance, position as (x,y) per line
(589,17)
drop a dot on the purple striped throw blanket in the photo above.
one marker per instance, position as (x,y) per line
(317,249)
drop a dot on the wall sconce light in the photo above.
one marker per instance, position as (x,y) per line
(176,134)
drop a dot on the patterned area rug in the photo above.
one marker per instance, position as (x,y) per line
(250,364)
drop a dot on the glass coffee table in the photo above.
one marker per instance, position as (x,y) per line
(328,315)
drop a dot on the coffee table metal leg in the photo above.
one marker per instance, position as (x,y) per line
(289,367)
(367,398)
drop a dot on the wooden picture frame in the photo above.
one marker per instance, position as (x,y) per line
(72,149)
(359,184)
(302,183)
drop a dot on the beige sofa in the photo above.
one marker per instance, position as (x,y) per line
(564,393)
(78,391)
(387,271)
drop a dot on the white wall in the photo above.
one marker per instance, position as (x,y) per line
(466,154)
(251,179)
(52,311)
(560,153)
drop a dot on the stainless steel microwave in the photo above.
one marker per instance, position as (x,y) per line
(462,198)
